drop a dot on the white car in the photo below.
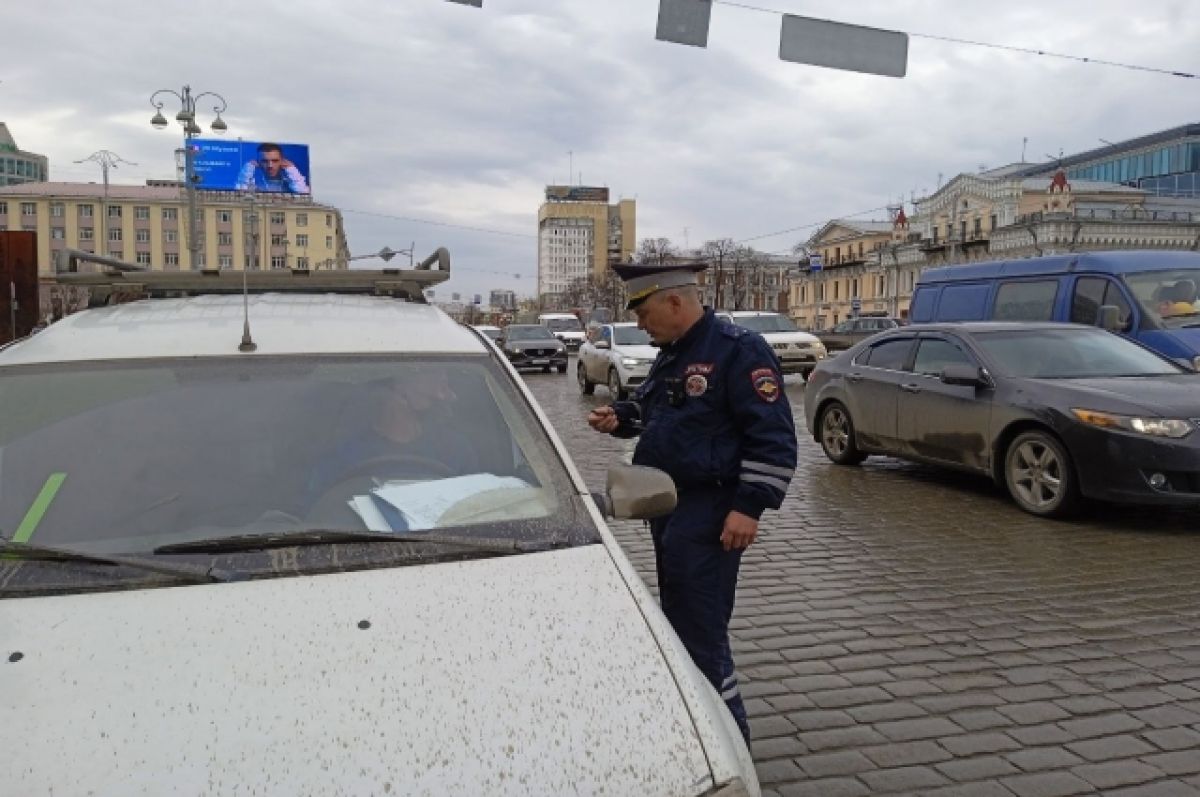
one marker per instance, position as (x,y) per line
(565,327)
(487,330)
(798,352)
(212,583)
(616,355)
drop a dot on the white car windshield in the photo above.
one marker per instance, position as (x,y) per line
(126,457)
(765,323)
(564,325)
(630,336)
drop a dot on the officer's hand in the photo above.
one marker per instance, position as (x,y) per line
(604,419)
(740,530)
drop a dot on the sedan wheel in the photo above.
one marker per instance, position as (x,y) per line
(1040,476)
(614,385)
(586,386)
(837,435)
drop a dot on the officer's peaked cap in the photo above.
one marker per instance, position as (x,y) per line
(642,281)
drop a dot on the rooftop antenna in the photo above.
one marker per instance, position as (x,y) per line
(247,344)
(1024,143)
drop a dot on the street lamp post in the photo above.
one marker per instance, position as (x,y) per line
(187,119)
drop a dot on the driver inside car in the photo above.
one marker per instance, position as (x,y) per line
(407,431)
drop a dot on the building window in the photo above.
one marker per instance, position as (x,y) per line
(170,214)
(978,226)
(302,262)
(225,261)
(225,239)
(328,241)
(962,230)
(277,217)
(57,233)
(301,240)
(277,239)
(3,208)
(277,262)
(114,211)
(143,236)
(85,233)
(301,219)
(171,259)
(28,208)
(141,213)
(224,216)
(993,221)
(143,258)
(57,210)
(170,236)
(114,234)
(328,219)
(116,253)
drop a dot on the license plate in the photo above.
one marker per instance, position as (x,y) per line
(541,362)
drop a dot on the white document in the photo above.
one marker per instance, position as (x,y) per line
(424,503)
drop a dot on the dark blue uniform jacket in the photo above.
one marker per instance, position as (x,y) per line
(713,413)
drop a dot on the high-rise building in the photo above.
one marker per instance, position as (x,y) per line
(18,166)
(580,234)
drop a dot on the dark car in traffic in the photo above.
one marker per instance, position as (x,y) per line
(533,346)
(1053,412)
(855,330)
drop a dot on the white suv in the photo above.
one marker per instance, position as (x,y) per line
(798,352)
(321,544)
(616,355)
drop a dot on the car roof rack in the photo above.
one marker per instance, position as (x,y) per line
(112,281)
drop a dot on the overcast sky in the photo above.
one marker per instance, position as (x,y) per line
(430,111)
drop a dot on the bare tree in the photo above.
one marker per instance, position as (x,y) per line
(718,253)
(657,251)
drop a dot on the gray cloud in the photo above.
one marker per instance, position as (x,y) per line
(431,110)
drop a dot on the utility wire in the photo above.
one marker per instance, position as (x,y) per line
(810,225)
(1008,47)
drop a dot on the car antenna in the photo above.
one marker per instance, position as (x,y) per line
(247,344)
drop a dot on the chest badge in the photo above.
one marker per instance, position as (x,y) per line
(696,385)
(766,384)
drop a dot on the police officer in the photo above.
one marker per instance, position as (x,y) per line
(712,413)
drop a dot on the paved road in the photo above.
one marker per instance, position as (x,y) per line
(902,629)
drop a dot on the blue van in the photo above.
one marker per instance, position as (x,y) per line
(1155,294)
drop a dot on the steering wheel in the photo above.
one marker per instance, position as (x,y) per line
(397,462)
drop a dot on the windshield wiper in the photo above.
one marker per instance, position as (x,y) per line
(181,570)
(287,539)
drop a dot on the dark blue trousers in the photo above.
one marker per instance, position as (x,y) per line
(697,580)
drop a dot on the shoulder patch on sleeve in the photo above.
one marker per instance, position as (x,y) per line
(766,384)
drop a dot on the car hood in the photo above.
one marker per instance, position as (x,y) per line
(640,351)
(498,676)
(789,337)
(1156,396)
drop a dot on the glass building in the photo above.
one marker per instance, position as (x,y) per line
(1165,163)
(17,166)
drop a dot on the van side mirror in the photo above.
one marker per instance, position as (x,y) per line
(963,376)
(635,492)
(1109,318)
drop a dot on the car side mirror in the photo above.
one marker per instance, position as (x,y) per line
(635,492)
(1109,318)
(963,376)
(602,344)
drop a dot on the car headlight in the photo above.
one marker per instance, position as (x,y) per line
(630,362)
(1155,427)
(1196,363)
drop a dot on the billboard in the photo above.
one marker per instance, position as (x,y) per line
(263,166)
(576,193)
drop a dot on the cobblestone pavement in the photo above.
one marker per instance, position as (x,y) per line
(904,629)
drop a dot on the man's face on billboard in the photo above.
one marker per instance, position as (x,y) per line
(271,160)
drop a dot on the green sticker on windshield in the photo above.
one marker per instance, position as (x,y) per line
(40,504)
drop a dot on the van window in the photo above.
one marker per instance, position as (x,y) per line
(963,302)
(1026,301)
(922,305)
(1091,293)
